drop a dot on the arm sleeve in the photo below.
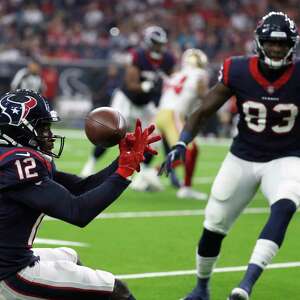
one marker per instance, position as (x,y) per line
(77,185)
(56,201)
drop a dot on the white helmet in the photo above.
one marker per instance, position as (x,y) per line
(155,39)
(194,58)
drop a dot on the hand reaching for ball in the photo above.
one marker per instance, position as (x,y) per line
(133,146)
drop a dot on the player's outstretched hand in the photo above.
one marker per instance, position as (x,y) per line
(132,148)
(176,154)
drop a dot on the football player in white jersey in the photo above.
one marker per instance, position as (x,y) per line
(180,97)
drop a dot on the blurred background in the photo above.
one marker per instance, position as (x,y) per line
(79,47)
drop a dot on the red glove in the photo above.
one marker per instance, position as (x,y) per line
(133,147)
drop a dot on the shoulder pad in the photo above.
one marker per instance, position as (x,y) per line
(135,54)
(22,165)
(229,66)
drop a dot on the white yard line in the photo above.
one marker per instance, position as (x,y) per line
(295,264)
(165,213)
(59,242)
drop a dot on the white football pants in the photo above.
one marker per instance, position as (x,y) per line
(237,182)
(57,276)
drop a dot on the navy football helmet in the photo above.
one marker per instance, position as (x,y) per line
(155,39)
(276,27)
(25,119)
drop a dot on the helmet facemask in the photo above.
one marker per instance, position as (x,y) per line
(45,141)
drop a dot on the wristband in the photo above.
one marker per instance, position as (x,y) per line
(181,143)
(124,172)
(185,137)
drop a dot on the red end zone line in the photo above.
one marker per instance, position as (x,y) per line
(295,264)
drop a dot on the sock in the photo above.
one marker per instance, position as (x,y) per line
(210,243)
(190,163)
(269,241)
(205,266)
(282,212)
(263,252)
(208,251)
(252,274)
(262,255)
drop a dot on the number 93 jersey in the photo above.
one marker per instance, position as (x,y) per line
(269,125)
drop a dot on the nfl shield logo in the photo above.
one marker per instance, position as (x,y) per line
(270,89)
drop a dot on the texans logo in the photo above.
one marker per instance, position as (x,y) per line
(16,111)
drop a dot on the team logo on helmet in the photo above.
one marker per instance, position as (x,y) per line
(16,111)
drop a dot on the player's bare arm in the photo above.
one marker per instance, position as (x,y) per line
(132,79)
(202,88)
(212,101)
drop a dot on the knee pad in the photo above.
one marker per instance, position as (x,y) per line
(71,253)
(215,219)
(210,243)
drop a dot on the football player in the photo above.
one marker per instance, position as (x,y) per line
(141,90)
(182,94)
(32,187)
(265,153)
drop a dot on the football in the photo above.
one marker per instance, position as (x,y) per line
(105,126)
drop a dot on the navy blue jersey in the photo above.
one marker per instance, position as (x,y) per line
(269,124)
(30,187)
(150,70)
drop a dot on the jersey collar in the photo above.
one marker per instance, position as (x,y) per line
(270,87)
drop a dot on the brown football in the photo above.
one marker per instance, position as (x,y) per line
(105,126)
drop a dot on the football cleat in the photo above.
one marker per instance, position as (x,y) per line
(146,180)
(188,192)
(238,294)
(196,294)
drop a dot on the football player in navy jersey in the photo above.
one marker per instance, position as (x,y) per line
(139,93)
(31,187)
(265,153)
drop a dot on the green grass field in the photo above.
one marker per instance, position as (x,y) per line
(162,245)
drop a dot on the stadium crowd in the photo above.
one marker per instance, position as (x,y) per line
(101,29)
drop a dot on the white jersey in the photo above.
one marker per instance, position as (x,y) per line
(180,90)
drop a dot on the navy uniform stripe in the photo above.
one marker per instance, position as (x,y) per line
(44,291)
